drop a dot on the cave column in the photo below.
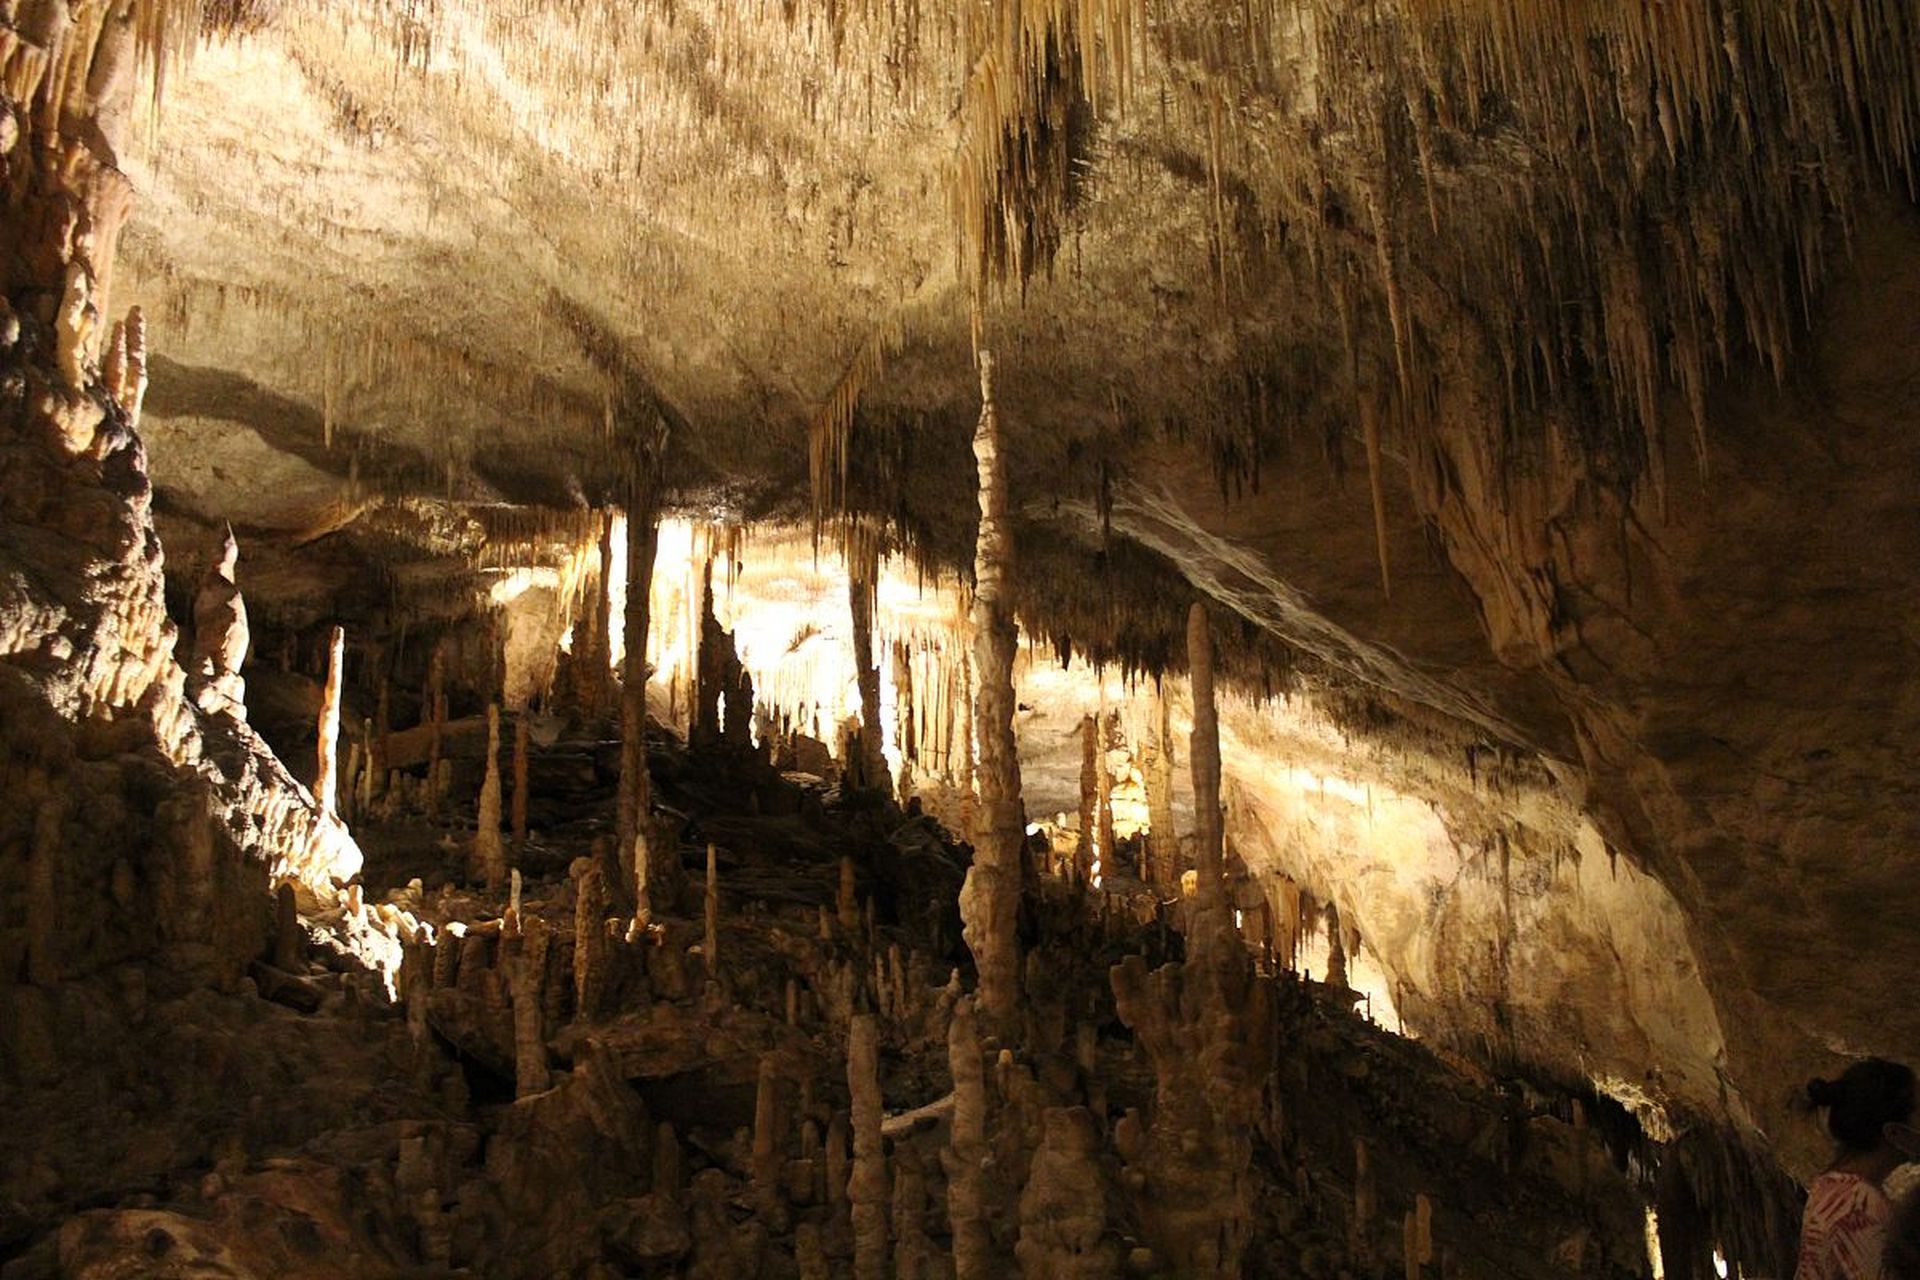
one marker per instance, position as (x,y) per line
(636,791)
(489,854)
(326,781)
(863,577)
(990,897)
(867,1186)
(1210,917)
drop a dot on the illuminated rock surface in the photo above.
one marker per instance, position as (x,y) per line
(1519,400)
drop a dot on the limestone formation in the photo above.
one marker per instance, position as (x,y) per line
(633,838)
(522,751)
(967,1151)
(526,966)
(326,780)
(867,1182)
(589,937)
(220,633)
(489,852)
(1063,1209)
(990,900)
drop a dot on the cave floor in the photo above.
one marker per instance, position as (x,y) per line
(693,1119)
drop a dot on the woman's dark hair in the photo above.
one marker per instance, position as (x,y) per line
(1868,1096)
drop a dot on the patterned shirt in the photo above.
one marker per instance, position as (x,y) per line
(1843,1230)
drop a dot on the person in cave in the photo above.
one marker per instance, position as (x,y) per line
(1869,1112)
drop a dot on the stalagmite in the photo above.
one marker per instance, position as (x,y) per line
(1104,735)
(967,1151)
(522,749)
(221,634)
(433,710)
(846,898)
(325,777)
(526,974)
(1084,855)
(867,1185)
(1063,1209)
(489,853)
(1204,755)
(769,1202)
(863,574)
(1163,841)
(710,951)
(645,874)
(589,937)
(990,897)
(910,1246)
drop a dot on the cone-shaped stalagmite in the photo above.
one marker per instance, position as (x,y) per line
(326,777)
(867,1185)
(990,898)
(1163,841)
(863,574)
(489,853)
(967,1151)
(636,791)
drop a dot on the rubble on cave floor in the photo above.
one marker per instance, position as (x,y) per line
(557,1093)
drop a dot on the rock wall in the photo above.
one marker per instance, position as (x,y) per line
(138,824)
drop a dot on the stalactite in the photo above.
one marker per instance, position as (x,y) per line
(326,770)
(489,853)
(867,1185)
(990,897)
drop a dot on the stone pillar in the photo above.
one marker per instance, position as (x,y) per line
(636,791)
(863,580)
(967,1151)
(489,854)
(526,979)
(990,897)
(220,633)
(326,782)
(589,937)
(1083,848)
(867,1187)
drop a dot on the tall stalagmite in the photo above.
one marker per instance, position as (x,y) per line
(635,801)
(863,577)
(1206,1026)
(967,1152)
(489,854)
(221,634)
(867,1185)
(990,898)
(326,776)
